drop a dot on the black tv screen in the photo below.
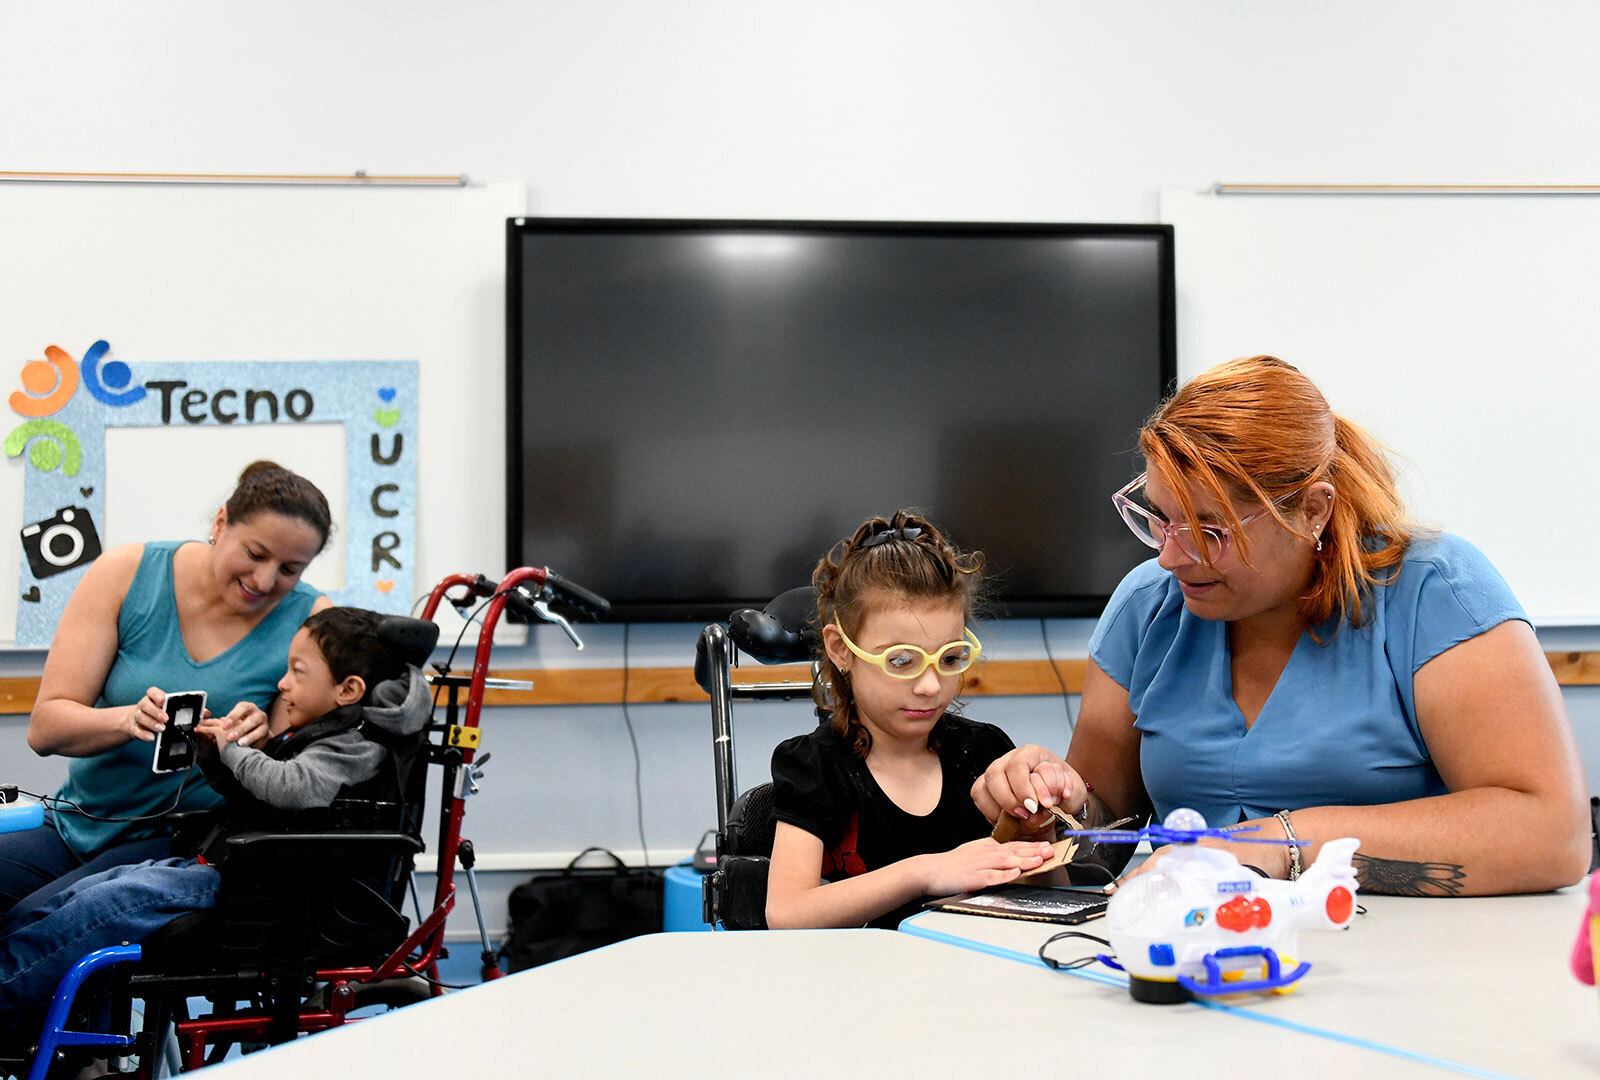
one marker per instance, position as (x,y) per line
(698,409)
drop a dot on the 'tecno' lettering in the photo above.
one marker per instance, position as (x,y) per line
(225,404)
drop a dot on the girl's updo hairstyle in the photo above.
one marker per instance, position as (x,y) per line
(268,486)
(903,558)
(1257,430)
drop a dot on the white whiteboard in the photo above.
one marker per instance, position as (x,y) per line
(181,272)
(1461,330)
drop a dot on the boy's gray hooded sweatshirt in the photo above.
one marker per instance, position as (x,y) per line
(308,767)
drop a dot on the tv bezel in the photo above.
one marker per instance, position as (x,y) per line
(717,609)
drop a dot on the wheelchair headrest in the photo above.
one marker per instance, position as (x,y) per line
(783,632)
(412,640)
(780,633)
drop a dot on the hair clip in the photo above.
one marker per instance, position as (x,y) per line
(886,535)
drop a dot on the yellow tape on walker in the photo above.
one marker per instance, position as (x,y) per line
(468,737)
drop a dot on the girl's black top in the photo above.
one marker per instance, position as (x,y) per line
(820,785)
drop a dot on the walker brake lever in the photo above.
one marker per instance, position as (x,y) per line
(542,606)
(467,779)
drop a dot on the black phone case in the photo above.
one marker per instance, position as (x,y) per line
(174,747)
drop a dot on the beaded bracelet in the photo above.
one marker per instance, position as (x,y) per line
(1294,844)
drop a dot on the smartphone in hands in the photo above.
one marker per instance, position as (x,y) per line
(175,742)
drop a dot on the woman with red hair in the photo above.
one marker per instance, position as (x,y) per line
(1302,656)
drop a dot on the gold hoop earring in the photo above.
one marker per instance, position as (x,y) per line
(1319,545)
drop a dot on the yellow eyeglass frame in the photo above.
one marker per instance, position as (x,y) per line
(881,659)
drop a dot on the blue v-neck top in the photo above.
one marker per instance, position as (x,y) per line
(118,783)
(1340,727)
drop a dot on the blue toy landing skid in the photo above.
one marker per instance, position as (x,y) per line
(1214,983)
(54,1035)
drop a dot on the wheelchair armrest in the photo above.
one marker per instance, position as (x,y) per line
(361,815)
(275,846)
(735,896)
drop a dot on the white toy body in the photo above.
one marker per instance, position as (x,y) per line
(1202,921)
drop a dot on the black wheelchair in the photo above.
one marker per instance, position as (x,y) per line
(310,923)
(734,895)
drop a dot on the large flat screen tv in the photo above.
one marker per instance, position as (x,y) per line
(698,409)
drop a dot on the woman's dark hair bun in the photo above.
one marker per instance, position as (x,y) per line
(267,486)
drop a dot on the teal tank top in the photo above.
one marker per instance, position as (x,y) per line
(150,652)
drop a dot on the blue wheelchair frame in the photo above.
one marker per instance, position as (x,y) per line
(55,1034)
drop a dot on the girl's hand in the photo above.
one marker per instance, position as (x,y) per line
(244,724)
(979,864)
(147,716)
(1029,772)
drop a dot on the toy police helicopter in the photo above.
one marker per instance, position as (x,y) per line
(1199,923)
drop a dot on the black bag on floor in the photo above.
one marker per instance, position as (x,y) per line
(559,913)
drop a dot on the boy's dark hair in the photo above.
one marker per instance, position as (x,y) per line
(348,639)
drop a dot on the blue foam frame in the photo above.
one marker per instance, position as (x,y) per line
(375,400)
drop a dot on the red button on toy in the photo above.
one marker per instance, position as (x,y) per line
(1235,915)
(1340,902)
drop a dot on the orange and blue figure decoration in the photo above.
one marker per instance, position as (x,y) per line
(1587,946)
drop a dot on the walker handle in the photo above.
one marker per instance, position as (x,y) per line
(576,595)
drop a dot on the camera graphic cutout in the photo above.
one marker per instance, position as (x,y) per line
(61,542)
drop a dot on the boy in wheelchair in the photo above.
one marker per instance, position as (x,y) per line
(341,682)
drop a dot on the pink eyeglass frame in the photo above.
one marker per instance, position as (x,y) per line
(1179,533)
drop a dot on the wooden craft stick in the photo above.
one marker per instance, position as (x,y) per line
(1005,830)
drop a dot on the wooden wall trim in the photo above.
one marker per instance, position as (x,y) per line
(647,686)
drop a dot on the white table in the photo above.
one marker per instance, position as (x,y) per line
(819,1003)
(1480,983)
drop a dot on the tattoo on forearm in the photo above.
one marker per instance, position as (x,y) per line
(1094,815)
(1396,877)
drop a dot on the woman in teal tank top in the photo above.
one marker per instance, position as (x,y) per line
(145,620)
